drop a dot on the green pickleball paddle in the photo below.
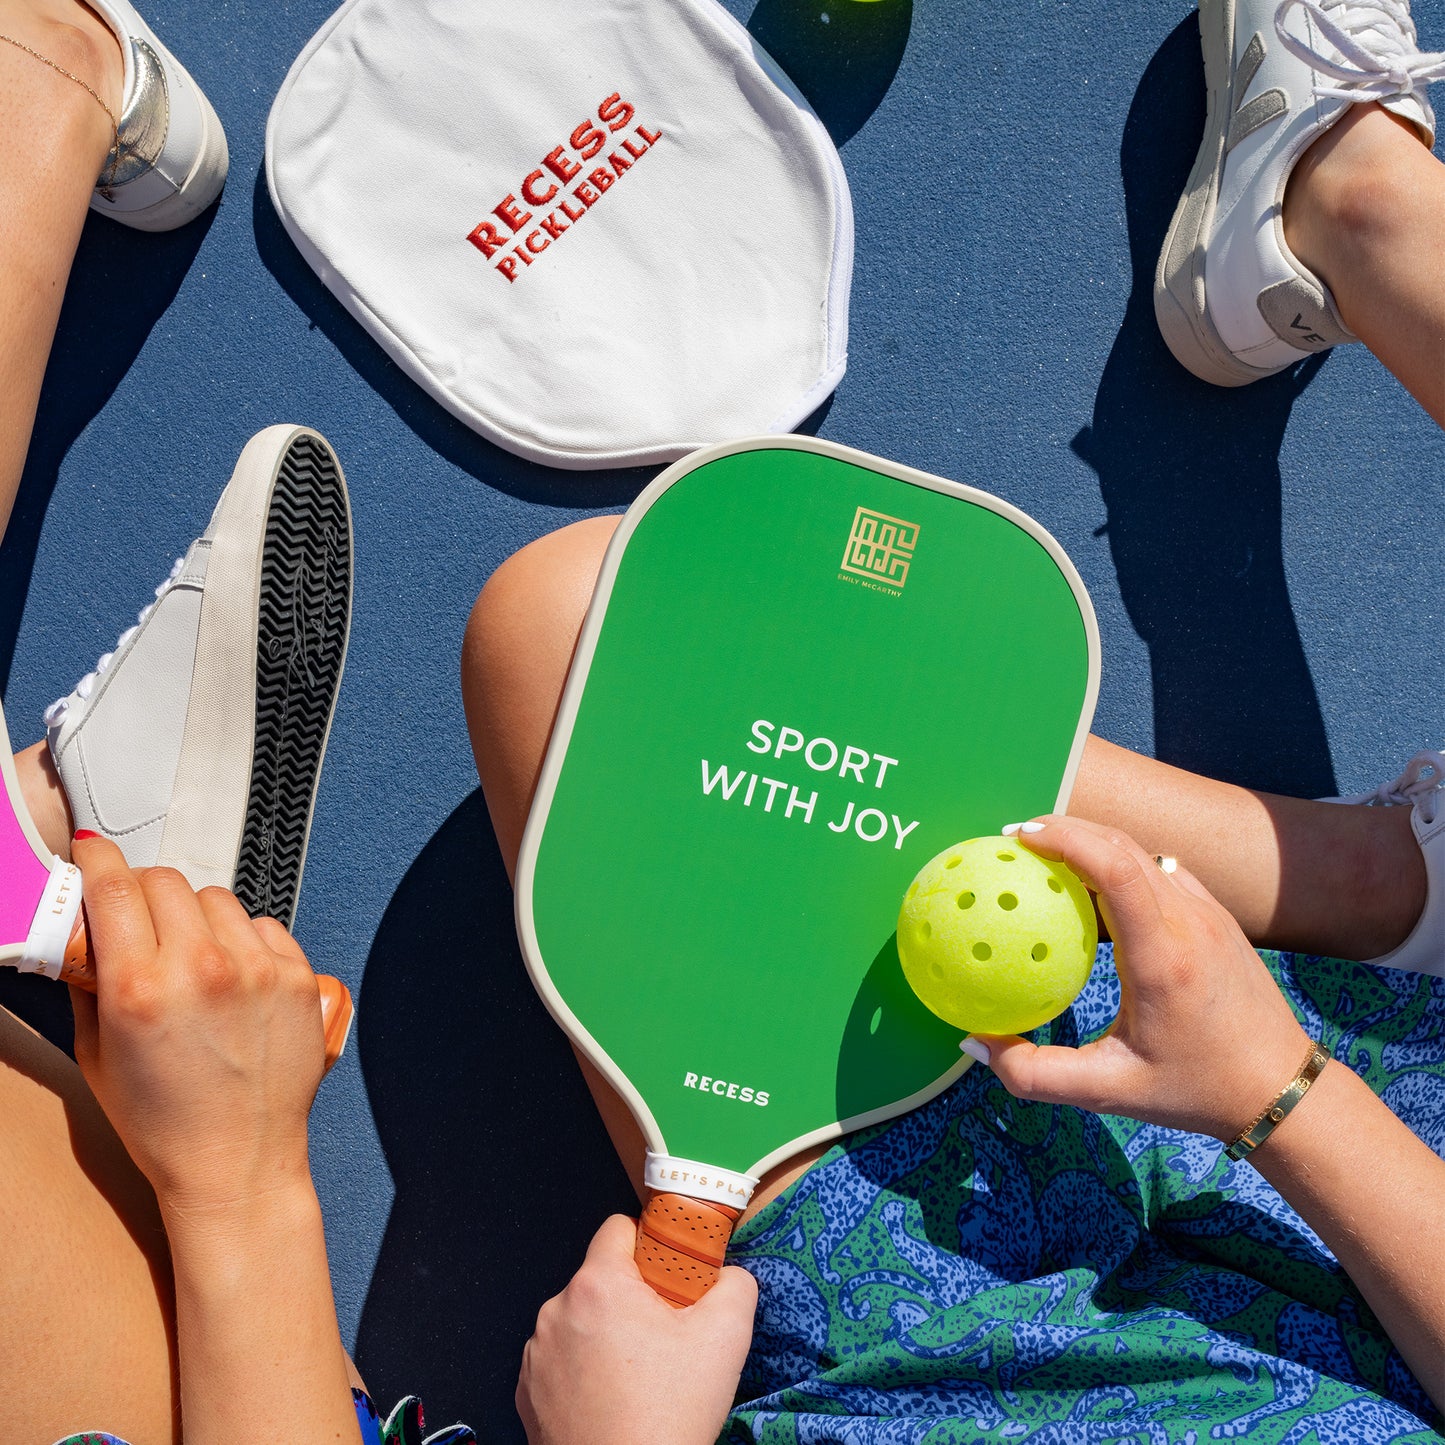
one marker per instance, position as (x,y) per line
(804,672)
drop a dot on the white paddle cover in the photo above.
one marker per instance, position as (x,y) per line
(601,232)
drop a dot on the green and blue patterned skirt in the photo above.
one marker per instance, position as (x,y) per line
(990,1270)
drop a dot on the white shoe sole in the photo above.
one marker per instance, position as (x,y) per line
(269,657)
(1179,301)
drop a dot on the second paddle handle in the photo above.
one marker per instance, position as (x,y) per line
(681,1244)
(336,1005)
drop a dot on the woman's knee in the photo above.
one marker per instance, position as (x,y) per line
(532,606)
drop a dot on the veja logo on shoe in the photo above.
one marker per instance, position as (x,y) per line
(880,550)
(1246,119)
(546,187)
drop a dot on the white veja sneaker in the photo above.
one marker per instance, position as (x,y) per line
(1233,303)
(1421,788)
(197,744)
(171,161)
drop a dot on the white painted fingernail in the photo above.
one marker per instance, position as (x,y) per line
(975,1050)
(1031,827)
(1009,829)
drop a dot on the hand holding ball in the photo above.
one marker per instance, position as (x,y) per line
(995,939)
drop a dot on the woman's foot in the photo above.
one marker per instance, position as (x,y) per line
(197,742)
(1414,826)
(1365,212)
(1235,300)
(170,159)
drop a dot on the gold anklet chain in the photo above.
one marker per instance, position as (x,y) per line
(105,187)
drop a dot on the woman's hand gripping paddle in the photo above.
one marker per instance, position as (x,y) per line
(42,918)
(804,673)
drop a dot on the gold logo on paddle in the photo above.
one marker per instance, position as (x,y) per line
(880,549)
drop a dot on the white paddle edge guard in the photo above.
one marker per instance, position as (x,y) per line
(666,1174)
(54,920)
(567,716)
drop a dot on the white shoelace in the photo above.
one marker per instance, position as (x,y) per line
(1420,785)
(1375,48)
(59,710)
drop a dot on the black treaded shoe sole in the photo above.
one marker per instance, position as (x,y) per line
(304,612)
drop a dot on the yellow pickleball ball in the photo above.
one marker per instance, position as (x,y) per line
(995,939)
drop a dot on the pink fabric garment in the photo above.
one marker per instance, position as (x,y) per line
(22,877)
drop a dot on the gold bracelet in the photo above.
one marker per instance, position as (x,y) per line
(1293,1092)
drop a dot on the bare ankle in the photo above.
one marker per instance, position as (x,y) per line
(1393,882)
(110,71)
(45,797)
(1343,193)
(80,47)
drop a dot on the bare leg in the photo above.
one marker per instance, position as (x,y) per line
(55,139)
(45,797)
(85,1297)
(86,1303)
(1365,210)
(85,1300)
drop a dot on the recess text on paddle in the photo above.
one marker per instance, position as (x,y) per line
(724,1090)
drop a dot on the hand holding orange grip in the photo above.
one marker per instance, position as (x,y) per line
(336,1006)
(681,1245)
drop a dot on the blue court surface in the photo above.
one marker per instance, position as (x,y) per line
(1265,563)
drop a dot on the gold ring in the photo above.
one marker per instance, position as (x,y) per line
(1164,863)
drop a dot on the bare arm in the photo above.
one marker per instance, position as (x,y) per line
(611,1363)
(1372,1191)
(204,1048)
(1204,1041)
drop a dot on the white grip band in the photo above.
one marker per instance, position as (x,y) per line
(668,1175)
(54,920)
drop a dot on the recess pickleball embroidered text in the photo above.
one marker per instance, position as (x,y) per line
(544,188)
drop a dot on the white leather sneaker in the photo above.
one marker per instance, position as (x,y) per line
(1421,788)
(1233,302)
(197,744)
(171,160)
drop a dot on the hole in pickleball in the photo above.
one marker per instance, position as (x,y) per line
(1056,885)
(925,929)
(1039,952)
(982,951)
(965,900)
(875,1020)
(936,970)
(1005,857)
(912,890)
(953,862)
(1008,902)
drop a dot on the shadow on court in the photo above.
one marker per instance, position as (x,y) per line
(841,55)
(502,1168)
(1190,476)
(433,424)
(121,283)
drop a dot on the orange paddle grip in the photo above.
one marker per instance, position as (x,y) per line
(336,1005)
(681,1244)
